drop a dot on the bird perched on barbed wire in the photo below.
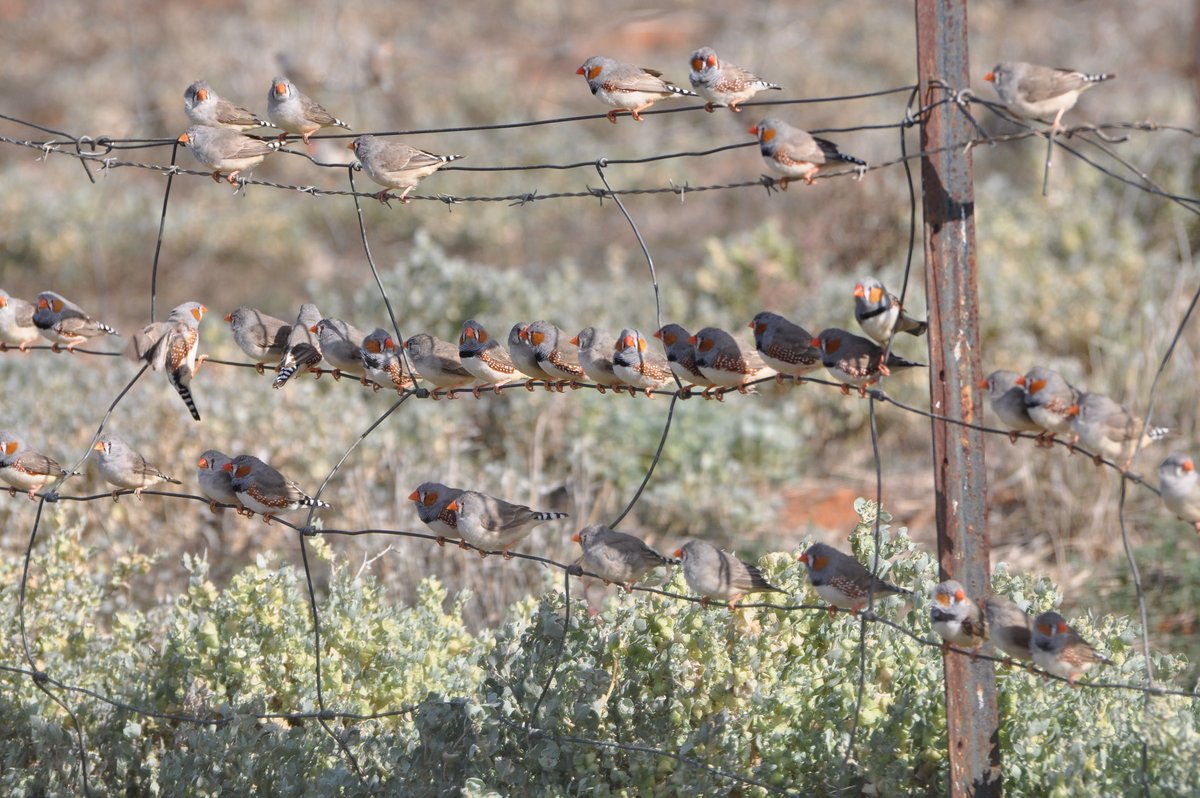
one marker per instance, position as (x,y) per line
(618,557)
(395,165)
(1109,430)
(341,346)
(879,313)
(1006,393)
(262,489)
(215,481)
(27,469)
(1179,485)
(1009,626)
(639,366)
(523,356)
(726,361)
(170,346)
(857,361)
(488,523)
(1048,400)
(436,361)
(1059,650)
(224,150)
(716,574)
(796,153)
(555,353)
(293,111)
(723,84)
(596,357)
(843,581)
(124,467)
(681,356)
(627,87)
(784,346)
(383,363)
(1031,90)
(61,321)
(205,107)
(432,500)
(16,323)
(303,348)
(955,617)
(484,357)
(258,334)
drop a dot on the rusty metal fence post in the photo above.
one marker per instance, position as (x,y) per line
(954,369)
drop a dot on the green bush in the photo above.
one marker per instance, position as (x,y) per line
(767,694)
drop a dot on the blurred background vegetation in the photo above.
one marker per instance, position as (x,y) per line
(1092,280)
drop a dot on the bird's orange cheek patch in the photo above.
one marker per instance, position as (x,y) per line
(593,72)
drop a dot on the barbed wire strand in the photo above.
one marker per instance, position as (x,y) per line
(876,532)
(876,393)
(40,683)
(162,224)
(316,621)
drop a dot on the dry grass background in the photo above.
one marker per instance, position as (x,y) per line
(1091,280)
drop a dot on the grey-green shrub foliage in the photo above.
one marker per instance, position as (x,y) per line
(763,693)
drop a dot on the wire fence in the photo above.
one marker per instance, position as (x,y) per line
(1089,144)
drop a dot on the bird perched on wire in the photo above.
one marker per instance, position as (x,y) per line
(488,523)
(727,361)
(555,353)
(1031,90)
(303,348)
(61,321)
(16,323)
(857,361)
(879,313)
(293,111)
(431,500)
(626,87)
(596,357)
(618,557)
(1009,626)
(341,346)
(436,361)
(639,366)
(784,346)
(484,357)
(170,346)
(1006,393)
(796,153)
(1059,650)
(262,489)
(716,574)
(124,467)
(955,617)
(721,83)
(259,335)
(842,581)
(1048,400)
(224,150)
(395,165)
(27,469)
(681,356)
(524,357)
(383,363)
(1109,430)
(216,482)
(1179,485)
(205,107)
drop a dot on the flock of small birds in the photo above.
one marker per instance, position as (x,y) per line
(711,360)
